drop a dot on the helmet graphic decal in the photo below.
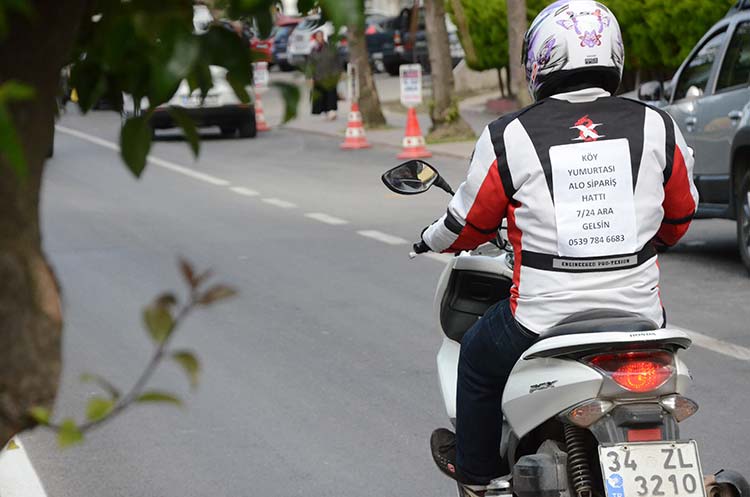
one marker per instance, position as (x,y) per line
(569,36)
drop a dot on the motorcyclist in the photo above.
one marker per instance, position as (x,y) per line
(589,184)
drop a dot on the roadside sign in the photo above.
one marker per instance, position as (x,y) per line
(410,76)
(352,83)
(260,76)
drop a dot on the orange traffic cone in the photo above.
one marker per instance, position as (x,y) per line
(413,143)
(355,132)
(260,116)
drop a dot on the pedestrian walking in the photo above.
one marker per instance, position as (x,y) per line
(324,70)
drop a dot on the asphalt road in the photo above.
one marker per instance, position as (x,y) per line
(320,378)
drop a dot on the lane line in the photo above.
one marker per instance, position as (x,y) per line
(241,190)
(17,475)
(187,171)
(383,237)
(325,218)
(277,202)
(716,345)
(207,178)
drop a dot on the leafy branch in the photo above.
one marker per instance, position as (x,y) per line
(161,320)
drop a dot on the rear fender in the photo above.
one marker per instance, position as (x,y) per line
(539,389)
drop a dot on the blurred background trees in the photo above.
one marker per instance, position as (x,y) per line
(658,34)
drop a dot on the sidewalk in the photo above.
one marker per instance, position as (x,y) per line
(472,110)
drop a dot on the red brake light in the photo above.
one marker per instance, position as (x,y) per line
(371,30)
(638,371)
(397,38)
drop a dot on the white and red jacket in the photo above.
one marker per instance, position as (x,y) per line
(588,183)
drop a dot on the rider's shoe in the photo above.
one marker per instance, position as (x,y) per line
(443,448)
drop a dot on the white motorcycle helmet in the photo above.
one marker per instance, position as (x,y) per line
(572,45)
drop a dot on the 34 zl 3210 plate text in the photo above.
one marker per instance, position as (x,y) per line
(652,469)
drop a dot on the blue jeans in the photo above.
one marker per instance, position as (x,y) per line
(489,350)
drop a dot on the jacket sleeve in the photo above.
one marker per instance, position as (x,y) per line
(680,194)
(478,208)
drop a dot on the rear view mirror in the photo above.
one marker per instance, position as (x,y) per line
(411,177)
(693,93)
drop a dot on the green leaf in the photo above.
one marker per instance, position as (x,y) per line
(135,143)
(102,383)
(216,293)
(10,145)
(157,396)
(343,12)
(188,127)
(40,414)
(239,85)
(291,95)
(158,321)
(12,91)
(189,364)
(69,434)
(305,6)
(98,408)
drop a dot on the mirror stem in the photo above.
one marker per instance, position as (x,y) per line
(443,185)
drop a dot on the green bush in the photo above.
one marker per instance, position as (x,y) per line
(488,28)
(659,34)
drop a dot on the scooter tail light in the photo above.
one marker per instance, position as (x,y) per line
(587,413)
(680,407)
(636,371)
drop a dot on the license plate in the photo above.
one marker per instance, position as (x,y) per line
(652,469)
(377,56)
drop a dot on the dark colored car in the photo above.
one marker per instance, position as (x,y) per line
(283,30)
(392,39)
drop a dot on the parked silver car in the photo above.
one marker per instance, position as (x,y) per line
(709,98)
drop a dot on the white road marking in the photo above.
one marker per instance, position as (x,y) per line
(187,171)
(153,160)
(716,345)
(17,475)
(241,190)
(277,202)
(325,218)
(88,137)
(383,237)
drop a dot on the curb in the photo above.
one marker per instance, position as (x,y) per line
(372,140)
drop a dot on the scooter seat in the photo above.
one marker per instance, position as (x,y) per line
(600,320)
(604,329)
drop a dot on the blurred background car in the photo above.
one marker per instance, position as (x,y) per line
(283,30)
(301,41)
(392,38)
(220,107)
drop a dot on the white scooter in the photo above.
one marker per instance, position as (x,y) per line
(592,408)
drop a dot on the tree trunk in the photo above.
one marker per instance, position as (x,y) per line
(501,83)
(446,120)
(463,28)
(369,102)
(30,316)
(517,24)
